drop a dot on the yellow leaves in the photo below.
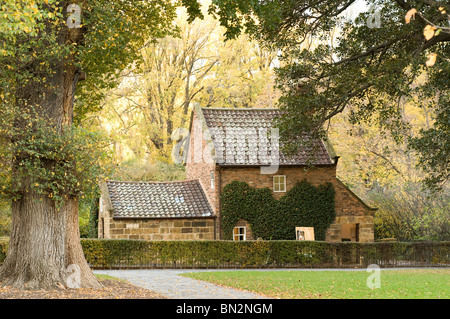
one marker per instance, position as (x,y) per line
(431,59)
(428,32)
(410,14)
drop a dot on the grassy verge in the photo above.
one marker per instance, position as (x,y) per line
(395,284)
(108,277)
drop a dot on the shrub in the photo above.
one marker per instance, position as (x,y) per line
(103,253)
(125,253)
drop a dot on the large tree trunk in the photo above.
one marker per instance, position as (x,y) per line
(45,250)
(36,254)
(75,262)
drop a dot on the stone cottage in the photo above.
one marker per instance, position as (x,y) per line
(241,144)
(155,211)
(221,146)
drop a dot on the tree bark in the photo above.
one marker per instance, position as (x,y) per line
(36,253)
(74,252)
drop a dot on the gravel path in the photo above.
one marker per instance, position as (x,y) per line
(168,283)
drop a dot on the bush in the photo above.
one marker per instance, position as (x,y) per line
(124,253)
(103,253)
(410,213)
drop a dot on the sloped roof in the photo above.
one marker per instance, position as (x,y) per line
(179,199)
(243,137)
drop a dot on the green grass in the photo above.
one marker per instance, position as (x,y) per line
(108,277)
(395,284)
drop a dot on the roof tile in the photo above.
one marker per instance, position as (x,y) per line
(158,199)
(242,137)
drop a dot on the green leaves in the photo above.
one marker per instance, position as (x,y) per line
(303,205)
(41,62)
(330,63)
(58,165)
(34,34)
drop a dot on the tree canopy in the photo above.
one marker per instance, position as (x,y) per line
(396,52)
(48,47)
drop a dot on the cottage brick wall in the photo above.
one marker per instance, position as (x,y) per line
(157,229)
(349,209)
(199,163)
(200,166)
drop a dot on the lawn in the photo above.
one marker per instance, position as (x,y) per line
(291,284)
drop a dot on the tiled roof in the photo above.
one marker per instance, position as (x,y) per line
(158,199)
(228,128)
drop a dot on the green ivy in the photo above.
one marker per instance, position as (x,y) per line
(303,206)
(36,157)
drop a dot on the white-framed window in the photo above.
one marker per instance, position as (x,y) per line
(239,233)
(212,179)
(279,183)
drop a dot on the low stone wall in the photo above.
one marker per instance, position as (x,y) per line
(161,229)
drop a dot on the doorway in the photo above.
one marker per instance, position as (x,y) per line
(350,232)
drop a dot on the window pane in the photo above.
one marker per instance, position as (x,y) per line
(279,183)
(239,233)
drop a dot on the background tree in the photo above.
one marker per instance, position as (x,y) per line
(193,66)
(378,89)
(242,77)
(396,51)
